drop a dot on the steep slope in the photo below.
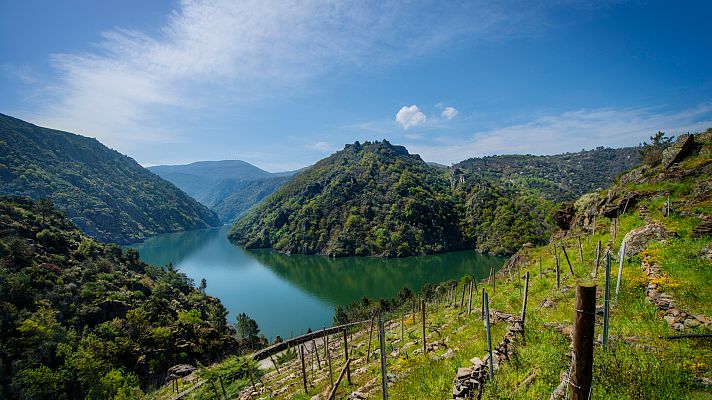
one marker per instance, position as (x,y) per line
(555,177)
(228,187)
(107,194)
(367,199)
(80,319)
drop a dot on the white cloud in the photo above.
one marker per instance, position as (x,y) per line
(449,113)
(321,146)
(572,131)
(216,52)
(409,116)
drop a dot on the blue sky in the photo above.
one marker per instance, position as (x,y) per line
(283,84)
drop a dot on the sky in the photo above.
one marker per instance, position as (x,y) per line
(283,84)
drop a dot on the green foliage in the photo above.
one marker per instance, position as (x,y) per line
(107,194)
(377,199)
(652,153)
(79,319)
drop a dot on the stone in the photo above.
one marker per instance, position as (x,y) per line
(670,319)
(637,239)
(476,362)
(691,323)
(677,152)
(181,370)
(704,228)
(357,396)
(464,372)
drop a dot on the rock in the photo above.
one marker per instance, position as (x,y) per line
(677,152)
(357,396)
(702,229)
(391,378)
(670,319)
(464,373)
(691,323)
(619,200)
(547,304)
(316,397)
(180,370)
(637,239)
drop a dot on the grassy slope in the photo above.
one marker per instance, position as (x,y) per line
(641,366)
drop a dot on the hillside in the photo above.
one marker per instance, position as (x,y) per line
(556,177)
(80,319)
(494,204)
(228,187)
(367,199)
(106,194)
(656,347)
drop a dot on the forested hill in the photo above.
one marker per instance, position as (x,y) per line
(367,199)
(80,319)
(377,199)
(228,187)
(107,194)
(556,177)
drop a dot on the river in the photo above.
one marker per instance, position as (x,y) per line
(287,294)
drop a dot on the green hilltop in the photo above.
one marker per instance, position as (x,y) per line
(106,194)
(376,199)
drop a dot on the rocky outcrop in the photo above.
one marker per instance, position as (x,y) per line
(619,201)
(637,239)
(683,146)
(703,228)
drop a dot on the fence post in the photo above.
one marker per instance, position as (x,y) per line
(541,276)
(620,273)
(526,295)
(422,307)
(584,320)
(567,259)
(580,248)
(558,271)
(304,374)
(384,372)
(370,332)
(346,357)
(489,337)
(606,299)
(469,303)
(598,258)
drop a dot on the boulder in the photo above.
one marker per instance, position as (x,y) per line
(706,252)
(180,370)
(618,202)
(677,152)
(637,239)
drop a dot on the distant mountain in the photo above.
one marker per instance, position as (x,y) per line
(556,177)
(228,187)
(377,199)
(105,193)
(367,199)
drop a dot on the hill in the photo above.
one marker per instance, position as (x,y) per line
(106,194)
(556,177)
(81,319)
(228,187)
(377,199)
(367,199)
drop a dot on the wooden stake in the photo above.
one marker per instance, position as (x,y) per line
(384,372)
(422,307)
(469,303)
(318,362)
(217,394)
(594,224)
(368,352)
(606,299)
(489,338)
(274,363)
(567,259)
(222,386)
(620,273)
(558,272)
(580,249)
(331,370)
(338,380)
(526,295)
(304,374)
(325,339)
(541,276)
(402,321)
(584,324)
(346,357)
(462,298)
(598,258)
(482,304)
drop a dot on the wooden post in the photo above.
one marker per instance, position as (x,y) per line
(541,276)
(580,248)
(469,303)
(454,295)
(422,307)
(346,357)
(304,374)
(318,362)
(620,273)
(606,299)
(489,338)
(217,394)
(368,352)
(558,271)
(584,323)
(519,278)
(325,339)
(274,363)
(594,224)
(598,259)
(668,206)
(331,370)
(526,295)
(567,259)
(494,282)
(462,298)
(384,372)
(482,304)
(338,380)
(222,386)
(402,320)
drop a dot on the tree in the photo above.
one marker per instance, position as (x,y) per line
(247,328)
(203,285)
(340,316)
(652,153)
